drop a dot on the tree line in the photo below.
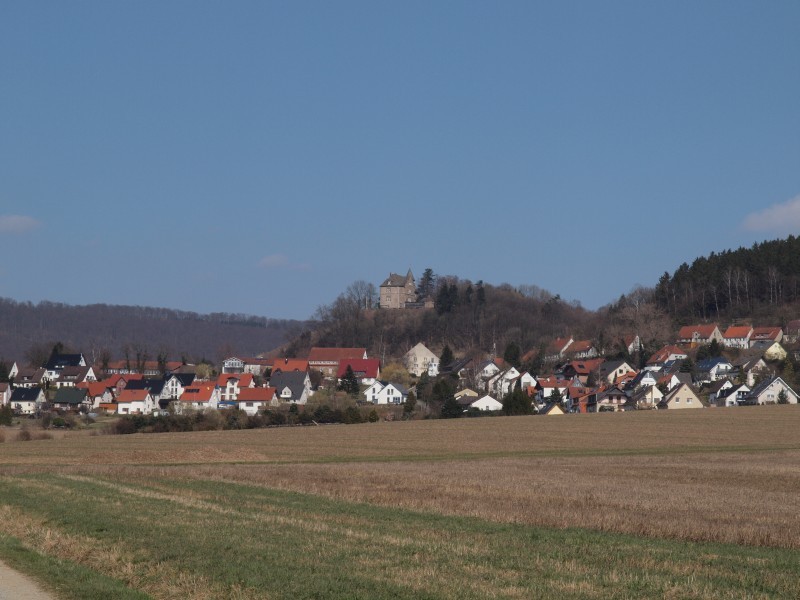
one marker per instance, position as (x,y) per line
(760,280)
(114,332)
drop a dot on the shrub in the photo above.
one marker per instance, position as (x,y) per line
(352,415)
(54,422)
(373,416)
(6,414)
(24,435)
(124,426)
(2,437)
(47,420)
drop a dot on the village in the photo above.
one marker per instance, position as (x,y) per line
(705,367)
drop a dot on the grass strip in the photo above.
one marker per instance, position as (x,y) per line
(66,580)
(269,543)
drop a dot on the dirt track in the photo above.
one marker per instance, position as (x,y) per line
(15,586)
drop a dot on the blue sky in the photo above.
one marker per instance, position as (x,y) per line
(258,157)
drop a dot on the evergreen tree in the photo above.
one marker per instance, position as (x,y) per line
(512,355)
(451,409)
(556,397)
(789,375)
(349,382)
(783,397)
(480,294)
(446,358)
(4,371)
(411,404)
(517,402)
(426,284)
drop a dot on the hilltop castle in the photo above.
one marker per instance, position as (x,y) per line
(397,290)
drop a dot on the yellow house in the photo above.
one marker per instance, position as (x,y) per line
(681,397)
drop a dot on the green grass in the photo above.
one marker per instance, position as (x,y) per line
(63,577)
(250,541)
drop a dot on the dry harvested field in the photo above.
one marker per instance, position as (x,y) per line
(700,504)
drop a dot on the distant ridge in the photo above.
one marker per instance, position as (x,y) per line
(97,328)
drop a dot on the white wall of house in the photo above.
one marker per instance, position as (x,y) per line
(487,403)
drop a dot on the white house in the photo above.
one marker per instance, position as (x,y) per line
(199,396)
(133,402)
(251,400)
(501,383)
(230,385)
(383,392)
(737,336)
(486,403)
(26,401)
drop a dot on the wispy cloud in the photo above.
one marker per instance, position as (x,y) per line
(17,224)
(778,218)
(281,261)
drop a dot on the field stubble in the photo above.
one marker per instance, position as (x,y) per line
(729,476)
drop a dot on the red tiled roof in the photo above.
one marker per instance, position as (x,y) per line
(290,364)
(740,331)
(584,367)
(335,354)
(244,379)
(766,333)
(127,395)
(95,388)
(704,331)
(580,346)
(557,345)
(663,354)
(257,394)
(365,368)
(198,393)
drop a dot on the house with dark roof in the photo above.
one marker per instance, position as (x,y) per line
(612,370)
(291,386)
(712,369)
(72,399)
(769,350)
(770,391)
(71,376)
(613,398)
(30,377)
(27,400)
(57,362)
(730,396)
(385,392)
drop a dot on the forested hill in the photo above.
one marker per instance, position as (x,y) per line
(761,282)
(759,285)
(96,329)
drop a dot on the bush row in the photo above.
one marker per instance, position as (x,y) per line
(236,419)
